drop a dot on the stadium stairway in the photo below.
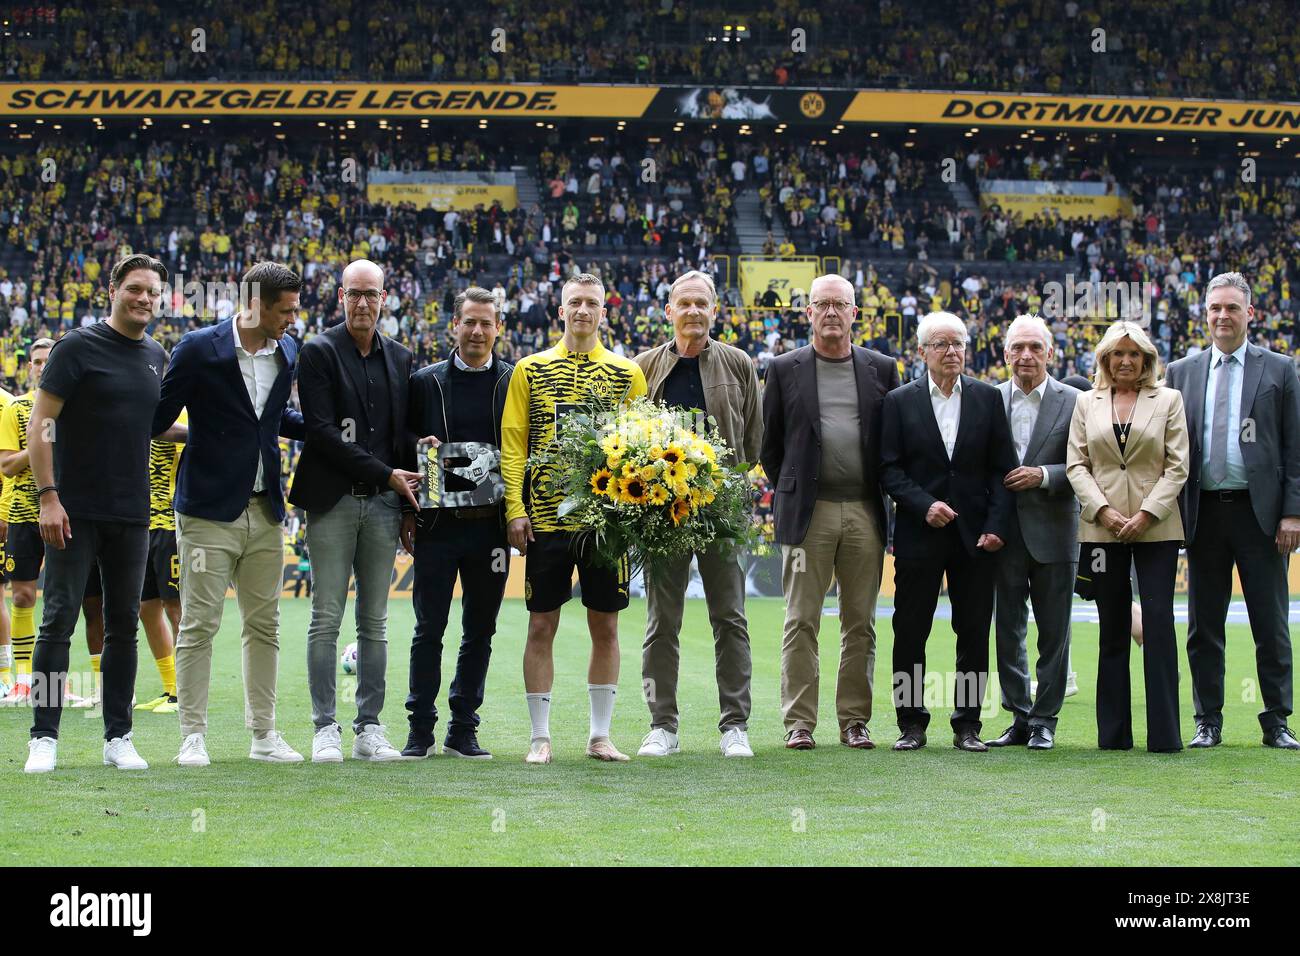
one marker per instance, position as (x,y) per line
(750,231)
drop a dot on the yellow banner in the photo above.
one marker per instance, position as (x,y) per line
(1067,205)
(443,196)
(1073,112)
(783,276)
(308,99)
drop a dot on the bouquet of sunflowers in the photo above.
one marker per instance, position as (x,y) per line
(644,482)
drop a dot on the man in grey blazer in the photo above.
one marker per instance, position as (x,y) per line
(1241,505)
(1038,562)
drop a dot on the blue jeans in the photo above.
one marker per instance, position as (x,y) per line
(357,536)
(477,551)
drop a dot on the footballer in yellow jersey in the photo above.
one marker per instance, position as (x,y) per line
(6,646)
(24,549)
(160,597)
(544,387)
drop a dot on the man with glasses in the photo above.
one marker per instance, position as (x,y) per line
(357,467)
(821,448)
(946,448)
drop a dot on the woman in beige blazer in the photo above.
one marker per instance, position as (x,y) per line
(1127,462)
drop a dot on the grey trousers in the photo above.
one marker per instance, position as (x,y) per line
(357,535)
(724,592)
(1020,580)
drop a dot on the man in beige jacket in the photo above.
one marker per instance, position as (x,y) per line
(695,371)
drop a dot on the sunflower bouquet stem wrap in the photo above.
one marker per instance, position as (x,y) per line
(646,482)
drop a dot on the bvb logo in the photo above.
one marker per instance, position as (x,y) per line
(528,589)
(812,105)
(9,564)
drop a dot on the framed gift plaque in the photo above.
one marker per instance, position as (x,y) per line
(464,474)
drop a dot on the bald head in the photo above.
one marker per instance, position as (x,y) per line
(831,310)
(362,295)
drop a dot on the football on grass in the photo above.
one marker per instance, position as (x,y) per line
(349,659)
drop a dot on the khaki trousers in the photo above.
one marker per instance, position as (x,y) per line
(249,552)
(843,541)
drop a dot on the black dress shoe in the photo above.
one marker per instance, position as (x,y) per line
(418,746)
(1282,738)
(969,741)
(1041,738)
(1017,735)
(464,745)
(1207,735)
(910,740)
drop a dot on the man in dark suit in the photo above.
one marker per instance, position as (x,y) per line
(356,469)
(946,449)
(1241,505)
(1038,562)
(821,441)
(234,378)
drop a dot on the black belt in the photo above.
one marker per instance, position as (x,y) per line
(1226,494)
(362,490)
(480,512)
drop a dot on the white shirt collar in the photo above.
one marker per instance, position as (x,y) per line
(267,349)
(460,363)
(934,387)
(1239,354)
(1040,391)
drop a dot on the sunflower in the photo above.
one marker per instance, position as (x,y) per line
(632,491)
(658,494)
(676,472)
(680,510)
(673,454)
(630,470)
(600,481)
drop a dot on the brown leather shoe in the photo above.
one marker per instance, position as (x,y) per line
(858,737)
(800,740)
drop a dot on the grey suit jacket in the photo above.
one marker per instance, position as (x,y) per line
(1049,518)
(1270,408)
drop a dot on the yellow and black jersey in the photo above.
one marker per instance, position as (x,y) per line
(22,505)
(544,387)
(164,460)
(7,486)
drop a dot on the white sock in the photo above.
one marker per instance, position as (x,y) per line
(539,710)
(6,657)
(602,708)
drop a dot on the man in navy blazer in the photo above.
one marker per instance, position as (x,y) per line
(234,378)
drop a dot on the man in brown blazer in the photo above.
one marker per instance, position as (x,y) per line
(695,371)
(821,451)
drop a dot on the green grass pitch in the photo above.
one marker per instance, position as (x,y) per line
(1073,806)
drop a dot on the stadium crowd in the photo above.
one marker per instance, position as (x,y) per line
(1152,48)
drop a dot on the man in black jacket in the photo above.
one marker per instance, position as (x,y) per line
(946,447)
(460,529)
(357,466)
(821,449)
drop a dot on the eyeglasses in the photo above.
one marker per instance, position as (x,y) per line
(353,295)
(947,346)
(822,306)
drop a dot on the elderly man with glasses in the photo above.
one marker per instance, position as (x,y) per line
(947,449)
(821,451)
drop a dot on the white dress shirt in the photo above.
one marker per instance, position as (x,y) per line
(1024,418)
(259,371)
(947,412)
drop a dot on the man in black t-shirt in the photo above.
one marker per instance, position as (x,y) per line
(89,446)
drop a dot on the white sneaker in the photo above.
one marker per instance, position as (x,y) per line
(194,752)
(371,744)
(659,743)
(120,753)
(735,743)
(273,749)
(327,745)
(41,755)
(1072,684)
(5,688)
